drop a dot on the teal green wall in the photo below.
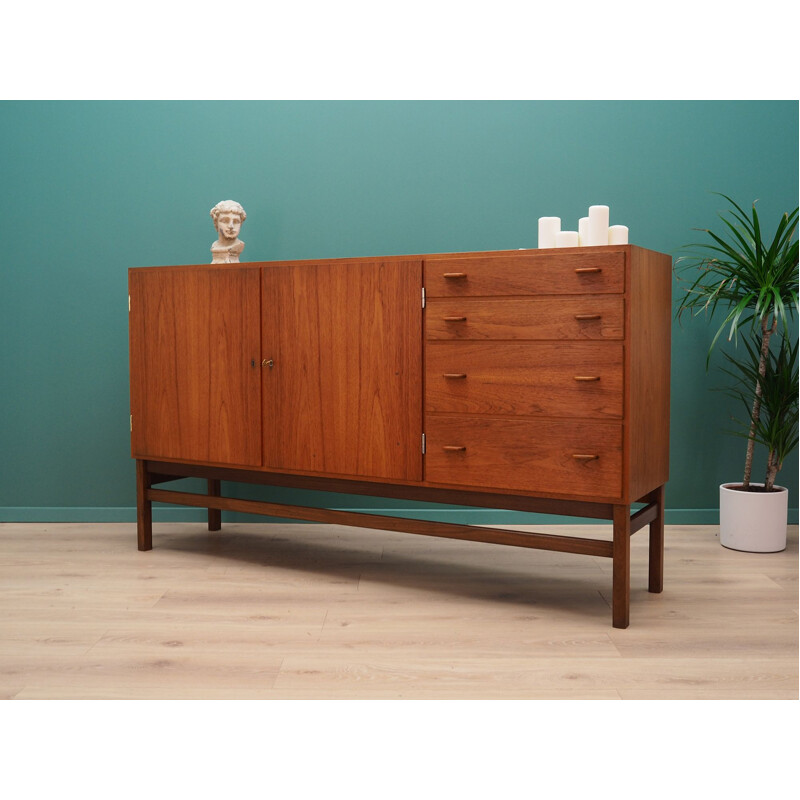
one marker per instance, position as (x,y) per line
(92,188)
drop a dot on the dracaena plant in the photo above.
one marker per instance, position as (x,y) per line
(777,424)
(753,284)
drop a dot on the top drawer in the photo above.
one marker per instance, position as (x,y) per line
(597,270)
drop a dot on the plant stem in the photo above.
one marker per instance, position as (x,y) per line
(766,333)
(772,471)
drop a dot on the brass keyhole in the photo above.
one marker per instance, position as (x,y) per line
(267,362)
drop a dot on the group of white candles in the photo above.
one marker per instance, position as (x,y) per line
(592,230)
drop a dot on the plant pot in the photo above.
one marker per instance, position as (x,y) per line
(754,522)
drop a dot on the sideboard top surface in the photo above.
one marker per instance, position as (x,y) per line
(526,252)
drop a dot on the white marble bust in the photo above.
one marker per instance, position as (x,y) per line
(228,217)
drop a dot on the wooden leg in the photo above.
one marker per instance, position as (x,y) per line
(656,575)
(621,586)
(214,514)
(144,508)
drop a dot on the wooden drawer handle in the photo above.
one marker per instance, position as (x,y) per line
(454,375)
(454,448)
(454,276)
(587,378)
(584,457)
(454,319)
(584,317)
(588,270)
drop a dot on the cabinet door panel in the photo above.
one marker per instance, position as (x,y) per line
(195,355)
(343,395)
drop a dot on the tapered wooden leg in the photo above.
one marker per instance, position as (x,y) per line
(656,573)
(214,514)
(621,586)
(144,508)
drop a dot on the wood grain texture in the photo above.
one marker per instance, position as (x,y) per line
(621,586)
(640,412)
(645,516)
(214,515)
(656,542)
(526,354)
(344,395)
(574,379)
(514,318)
(194,350)
(144,508)
(271,611)
(413,490)
(650,312)
(517,452)
(526,273)
(445,530)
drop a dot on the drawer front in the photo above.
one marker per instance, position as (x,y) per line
(564,379)
(555,318)
(577,458)
(597,270)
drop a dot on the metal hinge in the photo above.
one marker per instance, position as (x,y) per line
(423,444)
(131,423)
(423,297)
(129,302)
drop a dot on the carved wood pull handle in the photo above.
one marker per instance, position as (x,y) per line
(584,457)
(454,276)
(584,317)
(587,378)
(588,270)
(454,448)
(454,375)
(454,319)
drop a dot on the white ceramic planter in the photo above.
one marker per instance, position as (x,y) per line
(753,521)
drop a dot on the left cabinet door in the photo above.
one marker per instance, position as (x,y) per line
(195,364)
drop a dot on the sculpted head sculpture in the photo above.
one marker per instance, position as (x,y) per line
(228,217)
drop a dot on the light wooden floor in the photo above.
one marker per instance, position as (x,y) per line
(317,611)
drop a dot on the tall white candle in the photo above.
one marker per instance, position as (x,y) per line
(548,228)
(598,225)
(618,234)
(583,231)
(567,239)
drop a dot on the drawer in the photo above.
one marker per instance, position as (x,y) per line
(548,456)
(562,379)
(553,318)
(597,270)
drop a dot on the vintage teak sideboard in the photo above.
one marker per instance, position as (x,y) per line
(532,380)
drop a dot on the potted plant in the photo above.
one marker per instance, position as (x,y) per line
(756,520)
(755,286)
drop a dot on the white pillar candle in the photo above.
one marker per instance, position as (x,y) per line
(548,228)
(598,225)
(567,239)
(583,231)
(618,234)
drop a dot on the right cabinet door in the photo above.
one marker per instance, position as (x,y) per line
(342,347)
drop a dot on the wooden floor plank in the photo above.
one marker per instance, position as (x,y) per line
(271,611)
(473,675)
